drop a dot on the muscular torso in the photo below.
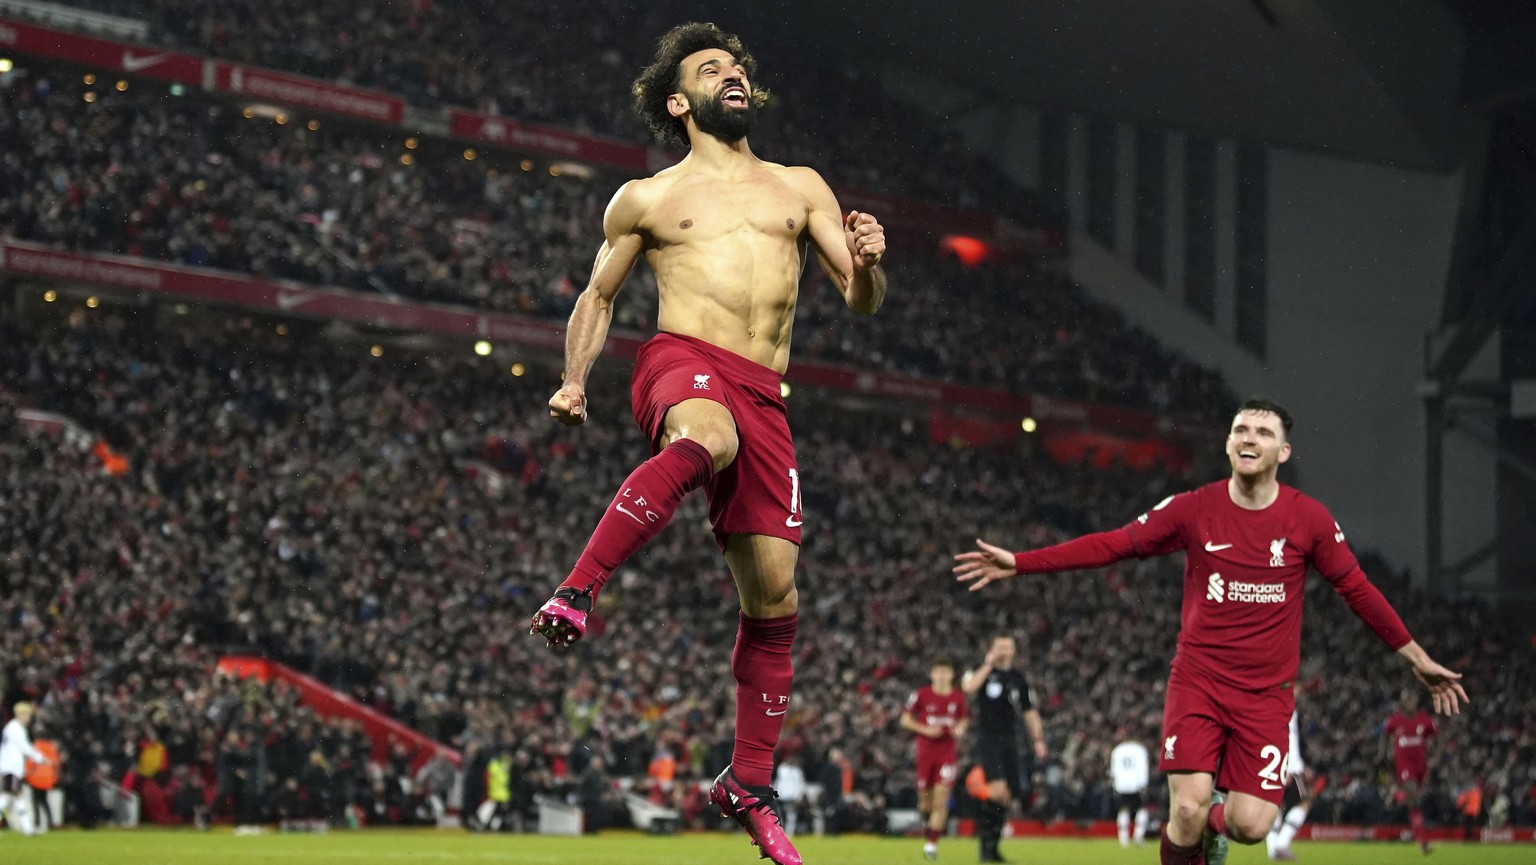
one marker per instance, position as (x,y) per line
(728,252)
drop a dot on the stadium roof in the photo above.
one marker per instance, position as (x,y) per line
(1373,80)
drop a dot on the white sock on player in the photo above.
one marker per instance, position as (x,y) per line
(1123,823)
(19,816)
(1292,824)
(1140,833)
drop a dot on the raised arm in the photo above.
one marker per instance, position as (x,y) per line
(972,681)
(588,327)
(848,247)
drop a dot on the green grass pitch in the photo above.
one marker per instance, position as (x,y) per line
(383,847)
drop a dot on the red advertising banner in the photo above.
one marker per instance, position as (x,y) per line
(136,274)
(301,92)
(1483,835)
(100,53)
(548,140)
(382,730)
(1107,829)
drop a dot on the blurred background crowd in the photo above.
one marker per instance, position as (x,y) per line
(388,524)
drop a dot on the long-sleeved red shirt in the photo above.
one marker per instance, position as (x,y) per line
(1243,576)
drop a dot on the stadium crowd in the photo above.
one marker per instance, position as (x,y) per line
(570,66)
(195,182)
(387,525)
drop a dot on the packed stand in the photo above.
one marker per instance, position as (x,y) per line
(388,525)
(197,183)
(571,66)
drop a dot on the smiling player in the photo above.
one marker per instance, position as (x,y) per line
(1249,541)
(728,236)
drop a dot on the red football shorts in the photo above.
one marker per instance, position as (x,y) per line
(1412,772)
(759,493)
(935,764)
(1238,736)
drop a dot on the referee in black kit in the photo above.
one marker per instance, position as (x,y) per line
(1002,697)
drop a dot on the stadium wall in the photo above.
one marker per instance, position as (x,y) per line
(1355,261)
(1357,256)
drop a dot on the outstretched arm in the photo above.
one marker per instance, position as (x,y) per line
(1154,533)
(588,327)
(1334,560)
(990,563)
(1444,686)
(849,247)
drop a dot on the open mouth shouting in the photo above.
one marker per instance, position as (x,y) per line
(1248,457)
(734,94)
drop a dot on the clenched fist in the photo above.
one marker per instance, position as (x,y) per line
(569,405)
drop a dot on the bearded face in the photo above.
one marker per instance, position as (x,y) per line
(727,114)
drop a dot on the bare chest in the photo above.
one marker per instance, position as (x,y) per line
(703,211)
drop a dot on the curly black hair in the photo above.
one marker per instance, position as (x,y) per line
(662,78)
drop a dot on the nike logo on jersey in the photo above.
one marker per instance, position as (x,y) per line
(772,714)
(1212,548)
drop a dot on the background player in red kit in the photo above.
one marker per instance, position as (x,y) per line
(1249,541)
(937,714)
(1409,731)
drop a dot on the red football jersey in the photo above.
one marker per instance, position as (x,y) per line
(1243,576)
(1410,738)
(937,710)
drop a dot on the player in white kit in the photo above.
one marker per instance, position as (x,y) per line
(1129,770)
(1286,825)
(15,750)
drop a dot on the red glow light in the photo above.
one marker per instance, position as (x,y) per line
(970,250)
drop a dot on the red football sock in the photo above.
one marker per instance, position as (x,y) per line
(764,669)
(1416,820)
(643,507)
(1173,854)
(932,835)
(1217,820)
